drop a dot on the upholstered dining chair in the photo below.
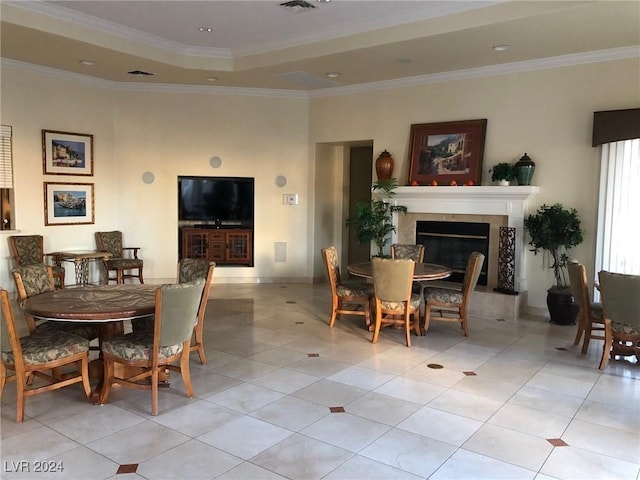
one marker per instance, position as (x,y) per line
(36,354)
(590,320)
(415,253)
(190,270)
(394,302)
(35,279)
(124,261)
(347,297)
(451,305)
(29,250)
(154,352)
(620,295)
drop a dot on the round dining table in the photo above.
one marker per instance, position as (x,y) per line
(422,271)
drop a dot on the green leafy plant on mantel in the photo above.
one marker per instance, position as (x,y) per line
(373,218)
(503,171)
(554,230)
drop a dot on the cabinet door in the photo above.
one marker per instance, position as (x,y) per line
(238,247)
(194,244)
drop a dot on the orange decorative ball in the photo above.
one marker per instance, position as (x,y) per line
(414,183)
(434,183)
(453,183)
(469,182)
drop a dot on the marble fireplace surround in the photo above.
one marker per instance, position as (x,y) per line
(498,206)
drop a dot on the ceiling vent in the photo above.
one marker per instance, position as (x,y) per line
(297,6)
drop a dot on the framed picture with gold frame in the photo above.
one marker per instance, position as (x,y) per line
(65,153)
(447,153)
(68,203)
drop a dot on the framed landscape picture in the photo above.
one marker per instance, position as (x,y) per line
(68,203)
(65,153)
(447,153)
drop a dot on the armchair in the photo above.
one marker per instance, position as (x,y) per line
(124,261)
(29,250)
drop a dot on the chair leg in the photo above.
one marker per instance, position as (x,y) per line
(607,347)
(336,304)
(21,386)
(407,328)
(580,330)
(184,370)
(140,275)
(463,324)
(587,336)
(367,314)
(3,377)
(376,330)
(154,391)
(427,319)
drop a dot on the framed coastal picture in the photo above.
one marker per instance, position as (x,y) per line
(447,153)
(65,153)
(68,203)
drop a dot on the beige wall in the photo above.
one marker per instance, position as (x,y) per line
(547,113)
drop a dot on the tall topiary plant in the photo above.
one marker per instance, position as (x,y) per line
(373,218)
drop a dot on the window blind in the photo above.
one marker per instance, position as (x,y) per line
(6,157)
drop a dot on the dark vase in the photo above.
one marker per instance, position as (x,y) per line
(563,309)
(524,170)
(384,166)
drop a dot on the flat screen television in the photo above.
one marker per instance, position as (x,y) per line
(218,200)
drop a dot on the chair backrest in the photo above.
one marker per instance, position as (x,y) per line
(10,338)
(110,242)
(26,249)
(472,272)
(408,251)
(393,278)
(578,283)
(620,297)
(191,269)
(32,280)
(176,307)
(330,257)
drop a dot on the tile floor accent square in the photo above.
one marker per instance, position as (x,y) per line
(336,409)
(562,349)
(470,374)
(557,442)
(313,354)
(299,323)
(127,468)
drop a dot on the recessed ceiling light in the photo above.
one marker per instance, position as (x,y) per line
(88,63)
(333,74)
(206,29)
(212,79)
(500,48)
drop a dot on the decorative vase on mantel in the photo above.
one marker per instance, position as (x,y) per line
(384,166)
(524,170)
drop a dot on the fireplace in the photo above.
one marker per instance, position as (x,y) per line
(451,243)
(496,206)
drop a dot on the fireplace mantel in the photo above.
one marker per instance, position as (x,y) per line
(511,202)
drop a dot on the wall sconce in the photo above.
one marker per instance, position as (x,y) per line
(215,162)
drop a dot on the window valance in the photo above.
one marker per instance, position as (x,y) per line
(615,125)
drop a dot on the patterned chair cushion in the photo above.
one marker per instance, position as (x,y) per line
(84,330)
(35,279)
(124,263)
(416,301)
(48,345)
(112,243)
(624,329)
(354,290)
(192,269)
(443,295)
(28,248)
(137,346)
(411,252)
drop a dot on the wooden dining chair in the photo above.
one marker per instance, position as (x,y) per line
(620,294)
(394,302)
(590,319)
(189,270)
(29,250)
(124,261)
(415,253)
(452,305)
(35,279)
(347,297)
(152,353)
(36,354)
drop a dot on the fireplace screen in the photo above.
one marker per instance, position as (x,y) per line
(451,243)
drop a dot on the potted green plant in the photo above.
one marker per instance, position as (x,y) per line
(373,218)
(503,173)
(555,230)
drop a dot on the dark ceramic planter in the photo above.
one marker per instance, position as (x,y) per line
(563,309)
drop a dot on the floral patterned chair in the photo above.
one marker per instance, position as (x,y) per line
(346,297)
(152,352)
(413,252)
(34,279)
(29,250)
(124,261)
(452,305)
(37,354)
(620,295)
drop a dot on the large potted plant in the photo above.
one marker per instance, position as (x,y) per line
(554,230)
(373,218)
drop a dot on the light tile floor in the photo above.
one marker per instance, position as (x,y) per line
(263,407)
